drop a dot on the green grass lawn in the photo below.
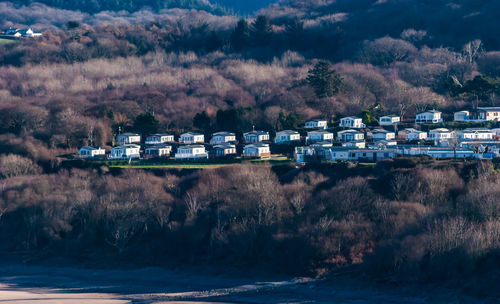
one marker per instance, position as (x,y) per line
(6,41)
(277,159)
(171,164)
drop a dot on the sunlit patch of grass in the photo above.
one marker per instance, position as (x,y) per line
(208,164)
(272,160)
(173,166)
(7,41)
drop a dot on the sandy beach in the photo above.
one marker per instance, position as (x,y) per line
(55,285)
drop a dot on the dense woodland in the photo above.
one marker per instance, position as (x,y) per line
(166,68)
(399,221)
(213,6)
(94,6)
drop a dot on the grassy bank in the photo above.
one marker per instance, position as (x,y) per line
(7,41)
(195,164)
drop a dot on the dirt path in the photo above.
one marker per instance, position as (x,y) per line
(55,285)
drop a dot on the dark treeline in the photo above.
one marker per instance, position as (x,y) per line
(244,7)
(435,23)
(339,27)
(335,30)
(94,6)
(258,39)
(404,220)
(213,6)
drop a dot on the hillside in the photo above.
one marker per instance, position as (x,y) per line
(343,24)
(182,66)
(442,22)
(214,6)
(94,6)
(244,6)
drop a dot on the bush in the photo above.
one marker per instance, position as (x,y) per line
(14,165)
(481,202)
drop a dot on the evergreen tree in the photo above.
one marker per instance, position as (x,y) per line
(367,117)
(229,120)
(240,37)
(146,123)
(72,25)
(295,32)
(481,86)
(213,42)
(289,121)
(262,30)
(74,29)
(325,81)
(202,121)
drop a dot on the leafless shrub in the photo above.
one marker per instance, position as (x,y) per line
(457,232)
(324,224)
(481,201)
(14,165)
(395,217)
(448,234)
(386,51)
(433,186)
(263,185)
(401,185)
(193,203)
(413,35)
(298,193)
(124,221)
(347,197)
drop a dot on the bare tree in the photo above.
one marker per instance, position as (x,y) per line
(193,203)
(386,51)
(400,186)
(298,202)
(471,50)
